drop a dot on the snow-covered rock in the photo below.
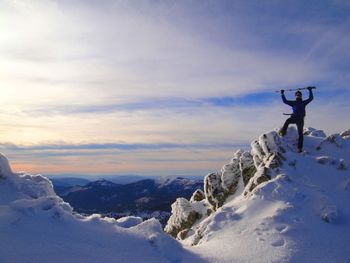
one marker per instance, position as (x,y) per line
(345,134)
(214,193)
(292,207)
(218,186)
(184,215)
(197,196)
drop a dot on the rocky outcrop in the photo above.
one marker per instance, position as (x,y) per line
(218,186)
(184,215)
(197,196)
(334,139)
(267,154)
(247,167)
(213,190)
(265,171)
(245,172)
(345,134)
(327,160)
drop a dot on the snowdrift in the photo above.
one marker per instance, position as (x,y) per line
(272,204)
(38,226)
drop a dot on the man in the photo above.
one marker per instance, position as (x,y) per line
(298,114)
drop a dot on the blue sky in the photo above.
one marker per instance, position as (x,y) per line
(162,87)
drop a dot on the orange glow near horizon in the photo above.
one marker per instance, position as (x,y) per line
(137,163)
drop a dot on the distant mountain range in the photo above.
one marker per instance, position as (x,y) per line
(81,179)
(105,197)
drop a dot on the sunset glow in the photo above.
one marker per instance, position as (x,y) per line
(161,87)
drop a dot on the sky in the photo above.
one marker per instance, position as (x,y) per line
(156,87)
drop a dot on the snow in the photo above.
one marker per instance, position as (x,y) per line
(129,221)
(38,226)
(300,214)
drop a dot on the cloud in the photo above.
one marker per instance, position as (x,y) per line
(151,73)
(147,159)
(108,53)
(111,146)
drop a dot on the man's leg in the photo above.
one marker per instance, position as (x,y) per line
(300,125)
(283,131)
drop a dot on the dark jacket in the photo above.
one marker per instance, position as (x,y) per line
(298,105)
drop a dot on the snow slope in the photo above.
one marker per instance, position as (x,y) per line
(267,205)
(302,214)
(37,226)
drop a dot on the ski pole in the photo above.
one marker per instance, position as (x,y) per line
(277,91)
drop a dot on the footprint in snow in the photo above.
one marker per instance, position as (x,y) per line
(278,243)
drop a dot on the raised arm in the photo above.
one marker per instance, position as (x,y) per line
(288,102)
(311,95)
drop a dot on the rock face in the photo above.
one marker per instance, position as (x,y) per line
(265,198)
(218,186)
(249,172)
(242,174)
(213,190)
(197,196)
(184,214)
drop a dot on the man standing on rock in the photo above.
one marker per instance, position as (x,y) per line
(298,114)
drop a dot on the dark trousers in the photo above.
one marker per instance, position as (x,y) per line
(300,125)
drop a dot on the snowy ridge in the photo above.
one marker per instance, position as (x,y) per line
(38,226)
(284,206)
(270,204)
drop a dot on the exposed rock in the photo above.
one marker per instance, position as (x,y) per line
(257,152)
(218,186)
(261,176)
(345,133)
(213,190)
(334,139)
(247,167)
(264,173)
(184,215)
(327,160)
(268,157)
(230,175)
(183,234)
(197,196)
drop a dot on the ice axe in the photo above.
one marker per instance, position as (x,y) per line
(278,91)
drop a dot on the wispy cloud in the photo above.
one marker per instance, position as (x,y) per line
(150,159)
(120,51)
(168,74)
(114,146)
